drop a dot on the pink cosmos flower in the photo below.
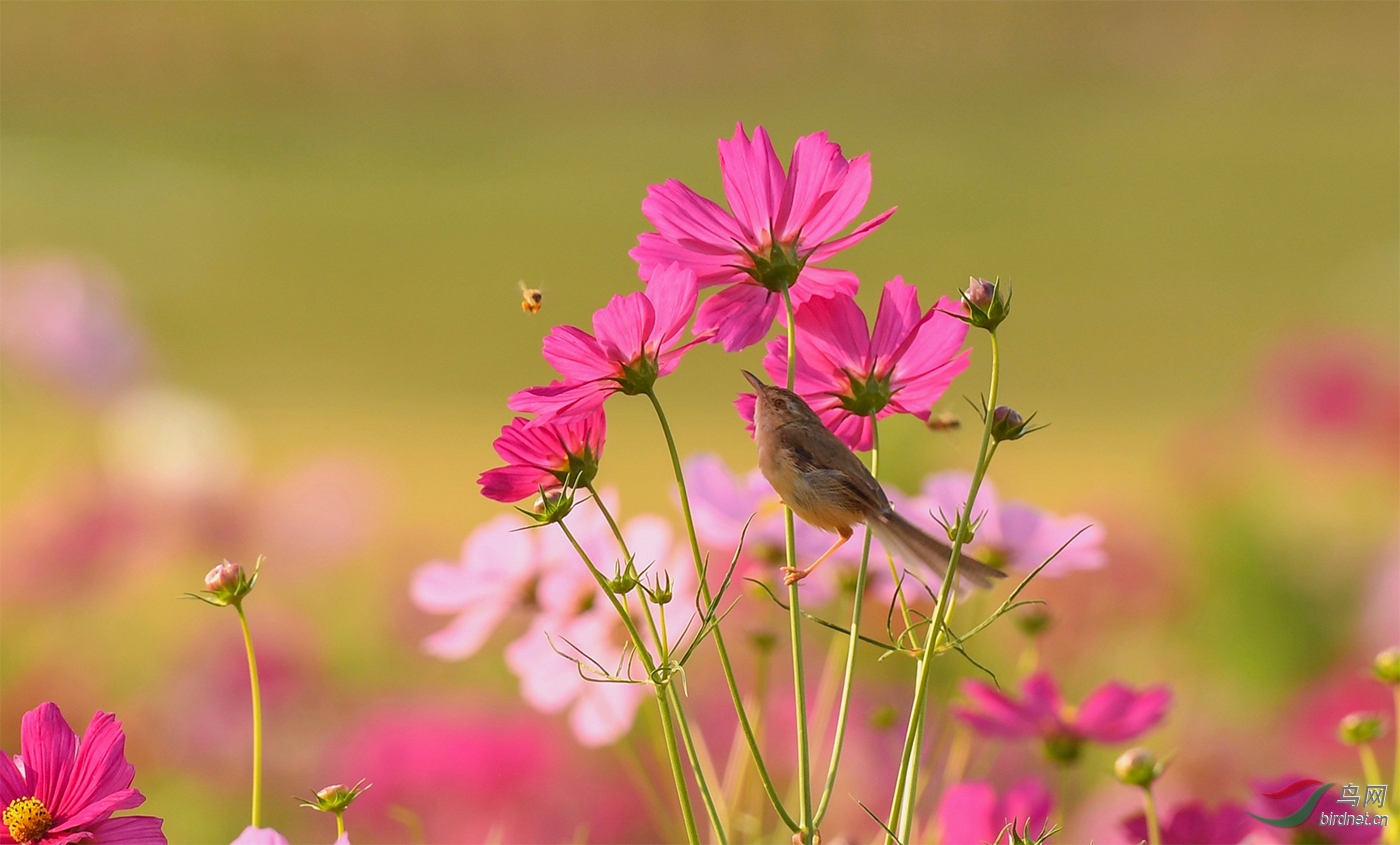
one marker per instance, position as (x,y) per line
(1195,824)
(780,225)
(971,813)
(1279,797)
(851,375)
(544,456)
(1013,535)
(1112,713)
(61,789)
(636,339)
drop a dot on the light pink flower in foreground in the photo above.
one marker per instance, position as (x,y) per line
(61,789)
(1013,535)
(1112,713)
(636,339)
(779,227)
(852,375)
(971,813)
(544,457)
(260,836)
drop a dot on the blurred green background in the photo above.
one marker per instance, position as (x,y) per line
(320,213)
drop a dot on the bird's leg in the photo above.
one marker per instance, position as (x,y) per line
(791,574)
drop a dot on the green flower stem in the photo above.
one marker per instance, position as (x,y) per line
(909,765)
(1154,828)
(668,727)
(257,715)
(661,637)
(725,665)
(339,824)
(1372,769)
(843,710)
(799,683)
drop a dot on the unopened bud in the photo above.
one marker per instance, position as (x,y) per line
(622,584)
(1033,622)
(1008,425)
(1360,728)
(980,292)
(223,577)
(337,797)
(987,306)
(1137,767)
(660,592)
(227,584)
(550,508)
(1387,666)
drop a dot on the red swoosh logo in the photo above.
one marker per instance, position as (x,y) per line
(1293,788)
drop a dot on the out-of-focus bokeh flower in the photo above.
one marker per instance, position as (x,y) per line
(544,457)
(323,511)
(1335,386)
(1311,722)
(779,227)
(61,789)
(971,812)
(1014,535)
(174,444)
(852,374)
(1112,713)
(636,339)
(1195,824)
(66,324)
(259,836)
(1380,614)
(1312,829)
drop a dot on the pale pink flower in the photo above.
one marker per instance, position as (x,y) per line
(636,339)
(779,227)
(971,812)
(67,324)
(852,375)
(260,836)
(61,789)
(1112,713)
(544,457)
(1013,535)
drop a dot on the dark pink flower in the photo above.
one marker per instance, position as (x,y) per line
(62,789)
(851,374)
(1290,800)
(971,813)
(1194,824)
(544,456)
(780,225)
(1112,713)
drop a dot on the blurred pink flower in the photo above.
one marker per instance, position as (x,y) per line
(1194,824)
(1379,620)
(970,813)
(323,512)
(1112,713)
(1311,830)
(1311,722)
(852,375)
(544,456)
(1011,534)
(780,225)
(637,339)
(65,324)
(1335,385)
(61,789)
(259,836)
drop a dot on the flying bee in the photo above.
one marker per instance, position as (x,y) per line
(944,422)
(532,299)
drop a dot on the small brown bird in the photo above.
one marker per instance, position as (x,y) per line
(825,484)
(533,298)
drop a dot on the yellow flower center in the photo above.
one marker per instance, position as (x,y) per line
(28,819)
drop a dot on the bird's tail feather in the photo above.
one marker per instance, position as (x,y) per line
(907,540)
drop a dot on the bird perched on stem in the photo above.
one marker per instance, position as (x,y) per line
(828,487)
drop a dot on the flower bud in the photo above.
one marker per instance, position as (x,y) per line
(1034,621)
(223,577)
(550,508)
(1387,666)
(621,584)
(337,797)
(660,592)
(1137,767)
(1008,425)
(1360,728)
(227,584)
(986,305)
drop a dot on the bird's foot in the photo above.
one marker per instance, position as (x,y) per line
(791,574)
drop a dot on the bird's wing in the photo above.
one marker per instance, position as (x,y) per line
(828,463)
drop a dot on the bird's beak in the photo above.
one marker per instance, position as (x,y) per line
(754,380)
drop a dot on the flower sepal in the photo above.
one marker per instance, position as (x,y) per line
(550,507)
(336,798)
(227,584)
(987,306)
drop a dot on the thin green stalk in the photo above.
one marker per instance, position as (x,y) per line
(1154,829)
(1372,769)
(668,728)
(339,825)
(909,773)
(658,633)
(725,665)
(857,603)
(257,715)
(799,683)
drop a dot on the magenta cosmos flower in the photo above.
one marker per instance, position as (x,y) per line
(971,813)
(1011,535)
(61,789)
(852,375)
(779,227)
(1195,824)
(636,339)
(544,457)
(1112,713)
